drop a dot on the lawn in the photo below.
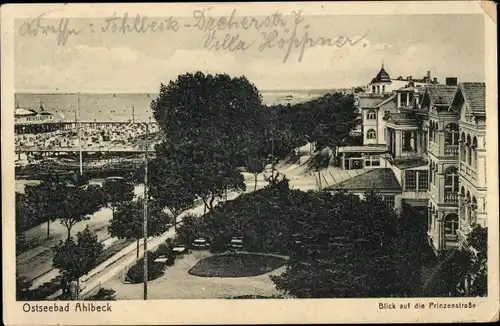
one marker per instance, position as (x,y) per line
(236,265)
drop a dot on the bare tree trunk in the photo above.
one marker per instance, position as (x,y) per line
(211,205)
(48,228)
(137,251)
(69,233)
(77,288)
(255,183)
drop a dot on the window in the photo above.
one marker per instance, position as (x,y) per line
(416,180)
(451,134)
(451,180)
(451,224)
(411,180)
(371,134)
(390,201)
(372,160)
(371,115)
(373,89)
(474,149)
(469,151)
(409,141)
(383,88)
(463,150)
(423,180)
(430,213)
(431,168)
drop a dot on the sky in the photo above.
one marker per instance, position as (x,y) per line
(100,60)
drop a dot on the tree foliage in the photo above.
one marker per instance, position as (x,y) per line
(40,203)
(339,245)
(117,191)
(208,122)
(478,265)
(22,288)
(129,218)
(75,259)
(465,272)
(81,200)
(327,120)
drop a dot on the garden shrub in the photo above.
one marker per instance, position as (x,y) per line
(103,295)
(166,249)
(136,273)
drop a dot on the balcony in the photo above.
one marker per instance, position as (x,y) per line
(451,150)
(467,171)
(451,198)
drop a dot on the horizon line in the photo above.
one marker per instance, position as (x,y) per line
(28,91)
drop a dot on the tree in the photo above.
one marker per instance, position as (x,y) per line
(192,227)
(478,266)
(117,191)
(168,186)
(465,272)
(128,222)
(255,166)
(206,120)
(22,288)
(77,259)
(81,201)
(344,247)
(42,202)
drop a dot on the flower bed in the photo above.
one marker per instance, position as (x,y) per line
(236,265)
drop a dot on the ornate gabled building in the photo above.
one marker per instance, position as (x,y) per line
(433,138)
(469,105)
(443,166)
(437,151)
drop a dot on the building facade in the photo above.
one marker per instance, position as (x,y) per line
(433,138)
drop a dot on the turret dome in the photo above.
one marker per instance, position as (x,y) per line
(382,76)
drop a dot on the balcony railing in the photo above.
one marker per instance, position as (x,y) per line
(470,171)
(451,198)
(451,150)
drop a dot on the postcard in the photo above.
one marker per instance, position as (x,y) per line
(249,163)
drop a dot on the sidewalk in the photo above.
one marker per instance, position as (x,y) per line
(38,261)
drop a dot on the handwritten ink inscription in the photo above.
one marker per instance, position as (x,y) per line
(274,31)
(62,29)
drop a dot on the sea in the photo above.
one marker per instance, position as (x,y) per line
(130,106)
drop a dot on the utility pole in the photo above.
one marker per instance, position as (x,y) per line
(79,134)
(133,113)
(145,221)
(272,152)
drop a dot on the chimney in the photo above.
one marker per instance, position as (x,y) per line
(435,80)
(428,75)
(451,81)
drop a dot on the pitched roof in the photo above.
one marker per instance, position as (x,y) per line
(474,94)
(441,94)
(376,178)
(366,102)
(387,100)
